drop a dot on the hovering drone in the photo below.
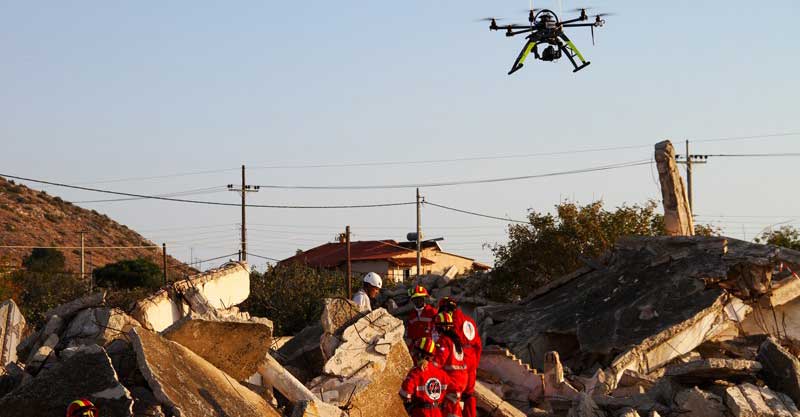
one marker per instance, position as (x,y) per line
(546,28)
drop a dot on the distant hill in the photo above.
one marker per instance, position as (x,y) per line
(34,218)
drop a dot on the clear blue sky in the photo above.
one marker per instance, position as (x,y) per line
(109,90)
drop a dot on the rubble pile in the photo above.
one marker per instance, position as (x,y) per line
(664,326)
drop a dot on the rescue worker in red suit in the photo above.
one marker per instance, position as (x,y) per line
(420,320)
(467,331)
(450,356)
(426,383)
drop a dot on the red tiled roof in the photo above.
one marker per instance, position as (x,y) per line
(334,254)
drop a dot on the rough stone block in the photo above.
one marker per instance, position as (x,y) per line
(756,401)
(98,326)
(737,403)
(88,373)
(337,314)
(189,385)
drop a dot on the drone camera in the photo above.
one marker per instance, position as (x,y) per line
(551,54)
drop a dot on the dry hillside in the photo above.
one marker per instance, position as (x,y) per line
(33,218)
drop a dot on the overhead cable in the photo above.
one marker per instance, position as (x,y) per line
(475,214)
(212,203)
(461,182)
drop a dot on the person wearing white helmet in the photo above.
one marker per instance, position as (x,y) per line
(371,287)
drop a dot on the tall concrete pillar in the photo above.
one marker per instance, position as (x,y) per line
(677,213)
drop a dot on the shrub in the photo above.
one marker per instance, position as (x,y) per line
(137,273)
(44,260)
(291,295)
(41,291)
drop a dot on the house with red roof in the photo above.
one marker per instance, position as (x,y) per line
(392,260)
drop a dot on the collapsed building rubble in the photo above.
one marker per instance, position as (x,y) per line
(695,326)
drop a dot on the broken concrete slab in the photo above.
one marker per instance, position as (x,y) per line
(188,385)
(12,331)
(737,403)
(492,404)
(711,369)
(221,288)
(302,355)
(38,357)
(305,402)
(236,348)
(54,388)
(756,401)
(67,310)
(504,367)
(677,212)
(584,406)
(695,402)
(337,314)
(599,313)
(371,362)
(771,399)
(781,369)
(98,326)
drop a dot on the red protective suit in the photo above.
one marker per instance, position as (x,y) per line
(455,365)
(420,324)
(424,387)
(467,331)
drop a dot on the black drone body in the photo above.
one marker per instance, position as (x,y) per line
(545,28)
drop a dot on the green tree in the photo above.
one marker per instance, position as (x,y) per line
(786,236)
(44,260)
(129,274)
(291,295)
(552,245)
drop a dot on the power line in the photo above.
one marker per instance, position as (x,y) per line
(462,182)
(264,257)
(78,247)
(207,190)
(212,203)
(762,136)
(476,214)
(214,259)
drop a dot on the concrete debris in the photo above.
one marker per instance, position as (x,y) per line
(781,369)
(492,404)
(12,331)
(585,407)
(217,289)
(370,363)
(706,370)
(302,355)
(305,402)
(677,212)
(188,385)
(236,348)
(66,311)
(98,326)
(337,314)
(52,389)
(695,402)
(520,381)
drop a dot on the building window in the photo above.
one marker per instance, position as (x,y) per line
(406,274)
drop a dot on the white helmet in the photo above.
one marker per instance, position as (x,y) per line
(373,279)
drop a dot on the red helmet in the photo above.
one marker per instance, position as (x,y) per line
(82,408)
(444,320)
(419,291)
(448,303)
(425,345)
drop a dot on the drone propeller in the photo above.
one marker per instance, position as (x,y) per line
(488,19)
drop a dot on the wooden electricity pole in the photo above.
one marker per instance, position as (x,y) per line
(690,160)
(244,190)
(349,264)
(164,261)
(83,259)
(419,235)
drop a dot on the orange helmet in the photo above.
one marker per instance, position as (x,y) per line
(425,345)
(419,291)
(447,304)
(82,408)
(444,320)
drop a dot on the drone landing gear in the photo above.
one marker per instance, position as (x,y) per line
(571,51)
(526,50)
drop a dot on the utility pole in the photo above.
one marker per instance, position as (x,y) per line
(244,190)
(689,160)
(164,260)
(83,259)
(419,235)
(349,265)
